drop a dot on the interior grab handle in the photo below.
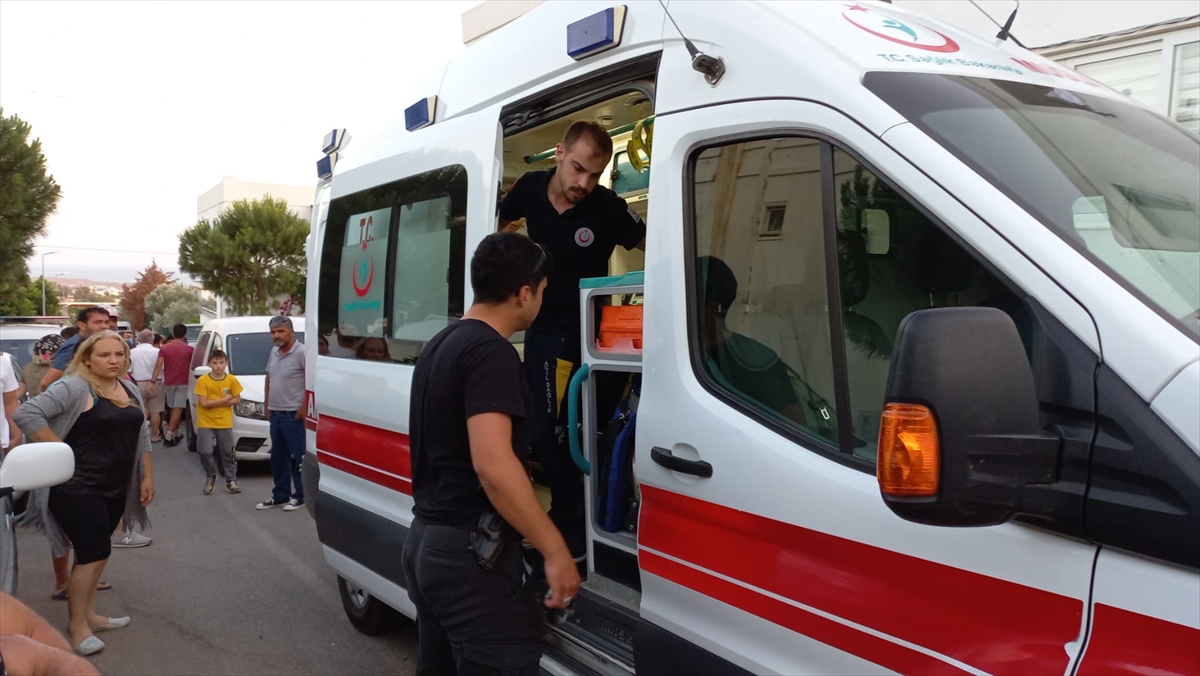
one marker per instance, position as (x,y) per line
(694,467)
(573,391)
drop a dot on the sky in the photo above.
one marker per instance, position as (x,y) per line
(141,106)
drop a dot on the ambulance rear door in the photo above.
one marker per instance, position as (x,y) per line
(393,272)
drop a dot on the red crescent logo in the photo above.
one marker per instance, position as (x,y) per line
(948,46)
(366,287)
(584,236)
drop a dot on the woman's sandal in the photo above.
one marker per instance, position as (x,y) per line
(62,595)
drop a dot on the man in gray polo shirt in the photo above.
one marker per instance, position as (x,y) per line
(285,411)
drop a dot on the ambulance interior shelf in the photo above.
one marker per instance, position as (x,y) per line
(602,424)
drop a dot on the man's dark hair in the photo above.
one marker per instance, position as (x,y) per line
(158,339)
(503,263)
(592,132)
(87,312)
(218,354)
(179,331)
(69,332)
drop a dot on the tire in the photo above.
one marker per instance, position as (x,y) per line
(189,431)
(368,614)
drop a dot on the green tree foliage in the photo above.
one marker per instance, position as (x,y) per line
(28,195)
(171,304)
(26,300)
(248,255)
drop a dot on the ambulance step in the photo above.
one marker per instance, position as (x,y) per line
(604,626)
(568,653)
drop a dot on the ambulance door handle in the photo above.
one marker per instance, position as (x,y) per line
(694,467)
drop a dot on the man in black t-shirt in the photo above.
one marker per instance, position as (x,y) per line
(469,436)
(580,223)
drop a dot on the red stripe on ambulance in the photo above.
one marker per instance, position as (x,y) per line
(990,624)
(377,455)
(1125,642)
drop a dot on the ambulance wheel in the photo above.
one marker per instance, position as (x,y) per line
(367,613)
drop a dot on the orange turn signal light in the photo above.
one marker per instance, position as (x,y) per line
(908,451)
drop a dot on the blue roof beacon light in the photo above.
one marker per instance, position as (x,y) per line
(594,34)
(334,141)
(420,114)
(325,167)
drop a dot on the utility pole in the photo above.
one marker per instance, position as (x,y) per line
(44,280)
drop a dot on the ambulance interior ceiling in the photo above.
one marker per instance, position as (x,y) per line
(615,112)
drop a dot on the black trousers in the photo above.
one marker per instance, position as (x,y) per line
(471,621)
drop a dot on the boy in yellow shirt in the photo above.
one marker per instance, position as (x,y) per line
(218,393)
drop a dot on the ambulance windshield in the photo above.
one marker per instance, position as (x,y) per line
(1115,181)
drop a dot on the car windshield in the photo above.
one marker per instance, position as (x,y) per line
(20,348)
(1116,181)
(248,352)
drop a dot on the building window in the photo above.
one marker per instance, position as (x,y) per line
(1185,86)
(773,221)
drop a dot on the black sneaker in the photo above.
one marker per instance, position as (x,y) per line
(269,503)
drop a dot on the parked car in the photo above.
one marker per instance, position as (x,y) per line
(247,341)
(19,339)
(193,333)
(23,469)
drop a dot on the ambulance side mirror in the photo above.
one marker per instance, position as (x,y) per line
(960,436)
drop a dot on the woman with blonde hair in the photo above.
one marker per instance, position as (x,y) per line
(99,414)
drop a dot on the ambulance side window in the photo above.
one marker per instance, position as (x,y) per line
(893,260)
(760,317)
(392,266)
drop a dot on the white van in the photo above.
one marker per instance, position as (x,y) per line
(967,279)
(247,341)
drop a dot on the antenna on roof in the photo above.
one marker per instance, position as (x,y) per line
(712,67)
(1005,30)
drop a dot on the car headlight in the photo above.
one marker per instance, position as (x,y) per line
(250,409)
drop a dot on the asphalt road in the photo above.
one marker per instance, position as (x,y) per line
(223,589)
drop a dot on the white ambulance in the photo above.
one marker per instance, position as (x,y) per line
(939,411)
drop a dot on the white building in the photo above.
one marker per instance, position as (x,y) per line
(211,203)
(1148,49)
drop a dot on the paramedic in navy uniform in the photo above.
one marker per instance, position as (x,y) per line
(580,223)
(469,434)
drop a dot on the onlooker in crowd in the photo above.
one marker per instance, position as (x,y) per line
(100,416)
(10,399)
(322,345)
(29,645)
(68,332)
(113,318)
(174,360)
(285,411)
(373,349)
(90,320)
(218,392)
(43,354)
(159,340)
(470,427)
(145,359)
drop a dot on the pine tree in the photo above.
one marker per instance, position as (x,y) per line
(248,255)
(28,195)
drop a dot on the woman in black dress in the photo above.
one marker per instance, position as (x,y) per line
(99,414)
